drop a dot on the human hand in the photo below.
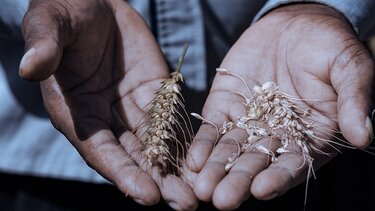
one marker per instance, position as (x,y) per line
(99,66)
(311,52)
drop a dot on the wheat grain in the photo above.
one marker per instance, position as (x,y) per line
(271,114)
(166,122)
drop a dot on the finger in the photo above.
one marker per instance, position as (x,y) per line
(214,118)
(214,169)
(103,153)
(235,187)
(202,146)
(289,171)
(352,78)
(44,29)
(187,175)
(176,192)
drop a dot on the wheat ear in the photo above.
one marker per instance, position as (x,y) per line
(167,123)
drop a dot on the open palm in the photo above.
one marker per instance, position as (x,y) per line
(312,53)
(101,67)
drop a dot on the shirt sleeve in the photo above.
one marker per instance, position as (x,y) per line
(360,14)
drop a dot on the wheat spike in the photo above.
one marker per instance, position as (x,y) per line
(166,124)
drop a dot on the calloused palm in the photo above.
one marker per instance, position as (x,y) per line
(312,53)
(102,66)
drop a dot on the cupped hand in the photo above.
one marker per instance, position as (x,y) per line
(100,66)
(313,54)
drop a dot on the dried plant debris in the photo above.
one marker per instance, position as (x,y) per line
(270,114)
(168,129)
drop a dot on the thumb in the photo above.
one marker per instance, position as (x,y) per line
(43,27)
(352,78)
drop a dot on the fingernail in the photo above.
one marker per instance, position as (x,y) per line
(139,201)
(368,125)
(26,57)
(174,205)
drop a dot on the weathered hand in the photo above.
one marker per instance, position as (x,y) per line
(100,65)
(312,53)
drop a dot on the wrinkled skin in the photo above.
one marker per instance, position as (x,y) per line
(311,52)
(98,73)
(97,76)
